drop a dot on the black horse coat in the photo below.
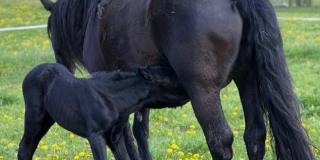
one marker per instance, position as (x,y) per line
(96,107)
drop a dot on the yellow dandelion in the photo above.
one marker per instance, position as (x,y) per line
(181,154)
(192,126)
(175,146)
(11,145)
(41,142)
(190,132)
(63,143)
(184,116)
(82,154)
(44,147)
(225,96)
(236,133)
(56,156)
(72,135)
(196,156)
(76,157)
(55,146)
(169,151)
(235,114)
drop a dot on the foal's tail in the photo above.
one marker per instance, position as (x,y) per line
(38,79)
(275,90)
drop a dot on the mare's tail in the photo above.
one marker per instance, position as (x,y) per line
(262,33)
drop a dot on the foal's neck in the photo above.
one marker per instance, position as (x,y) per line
(128,92)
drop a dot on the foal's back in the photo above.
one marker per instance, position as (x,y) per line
(51,90)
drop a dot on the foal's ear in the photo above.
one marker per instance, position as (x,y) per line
(145,74)
(47,4)
(157,74)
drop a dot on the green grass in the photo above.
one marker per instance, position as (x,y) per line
(298,12)
(20,51)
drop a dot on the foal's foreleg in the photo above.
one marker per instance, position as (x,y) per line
(255,131)
(141,132)
(98,146)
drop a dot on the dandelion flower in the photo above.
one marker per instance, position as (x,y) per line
(175,146)
(196,156)
(71,136)
(192,126)
(44,147)
(180,153)
(82,154)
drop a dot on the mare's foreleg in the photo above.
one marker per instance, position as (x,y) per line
(141,132)
(129,140)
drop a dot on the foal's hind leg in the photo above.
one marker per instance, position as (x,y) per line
(129,142)
(37,123)
(255,131)
(118,145)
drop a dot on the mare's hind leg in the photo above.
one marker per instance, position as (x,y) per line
(201,40)
(255,131)
(203,72)
(141,132)
(207,108)
(37,123)
(202,55)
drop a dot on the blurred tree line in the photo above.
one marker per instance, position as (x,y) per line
(300,3)
(291,3)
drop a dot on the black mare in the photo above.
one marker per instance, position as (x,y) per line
(208,43)
(96,108)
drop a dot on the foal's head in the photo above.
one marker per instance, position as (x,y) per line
(165,87)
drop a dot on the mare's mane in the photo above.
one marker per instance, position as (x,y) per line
(67,27)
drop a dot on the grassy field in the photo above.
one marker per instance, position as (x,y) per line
(175,133)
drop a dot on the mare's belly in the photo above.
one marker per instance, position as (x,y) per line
(127,41)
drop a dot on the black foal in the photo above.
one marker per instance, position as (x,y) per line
(97,108)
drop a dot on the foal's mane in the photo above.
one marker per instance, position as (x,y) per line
(67,27)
